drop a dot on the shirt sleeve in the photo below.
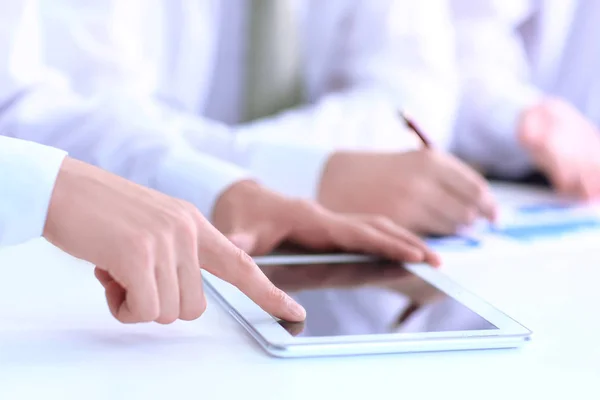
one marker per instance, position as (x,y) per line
(115,129)
(497,83)
(390,56)
(28,172)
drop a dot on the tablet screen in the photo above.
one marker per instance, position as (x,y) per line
(369,298)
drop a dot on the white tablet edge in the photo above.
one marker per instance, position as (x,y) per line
(333,258)
(270,333)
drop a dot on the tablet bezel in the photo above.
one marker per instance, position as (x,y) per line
(273,337)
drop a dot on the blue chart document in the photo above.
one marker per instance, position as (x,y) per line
(453,242)
(541,221)
(525,224)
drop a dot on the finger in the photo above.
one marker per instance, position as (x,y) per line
(192,302)
(115,297)
(563,175)
(566,180)
(436,220)
(141,302)
(191,293)
(388,226)
(451,208)
(115,293)
(591,183)
(103,277)
(167,283)
(221,258)
(470,187)
(352,234)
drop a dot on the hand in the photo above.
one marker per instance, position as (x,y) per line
(258,220)
(565,146)
(426,191)
(149,248)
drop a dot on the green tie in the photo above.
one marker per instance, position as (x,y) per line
(273,81)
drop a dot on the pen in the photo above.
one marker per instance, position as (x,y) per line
(413,127)
(427,144)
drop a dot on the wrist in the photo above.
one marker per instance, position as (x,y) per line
(341,177)
(60,194)
(330,175)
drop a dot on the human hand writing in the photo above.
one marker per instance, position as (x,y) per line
(565,145)
(426,191)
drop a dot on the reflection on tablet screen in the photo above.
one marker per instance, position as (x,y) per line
(369,298)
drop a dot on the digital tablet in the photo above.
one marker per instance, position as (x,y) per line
(357,304)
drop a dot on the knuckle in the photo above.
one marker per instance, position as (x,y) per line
(243,266)
(197,217)
(185,221)
(141,246)
(246,263)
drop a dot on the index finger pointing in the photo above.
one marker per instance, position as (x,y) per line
(231,264)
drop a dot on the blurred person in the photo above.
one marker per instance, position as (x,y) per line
(531,90)
(149,248)
(189,97)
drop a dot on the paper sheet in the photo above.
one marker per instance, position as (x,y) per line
(525,218)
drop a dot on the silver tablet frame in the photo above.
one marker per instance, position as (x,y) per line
(280,343)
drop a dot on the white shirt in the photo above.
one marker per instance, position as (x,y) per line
(513,52)
(150,89)
(27,175)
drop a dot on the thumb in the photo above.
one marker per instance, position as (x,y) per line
(244,241)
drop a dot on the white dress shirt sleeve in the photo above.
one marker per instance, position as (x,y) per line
(119,127)
(125,135)
(390,56)
(28,172)
(496,79)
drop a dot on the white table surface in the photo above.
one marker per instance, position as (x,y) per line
(58,340)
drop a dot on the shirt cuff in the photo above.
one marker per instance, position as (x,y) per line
(292,169)
(505,118)
(196,178)
(506,112)
(28,172)
(489,140)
